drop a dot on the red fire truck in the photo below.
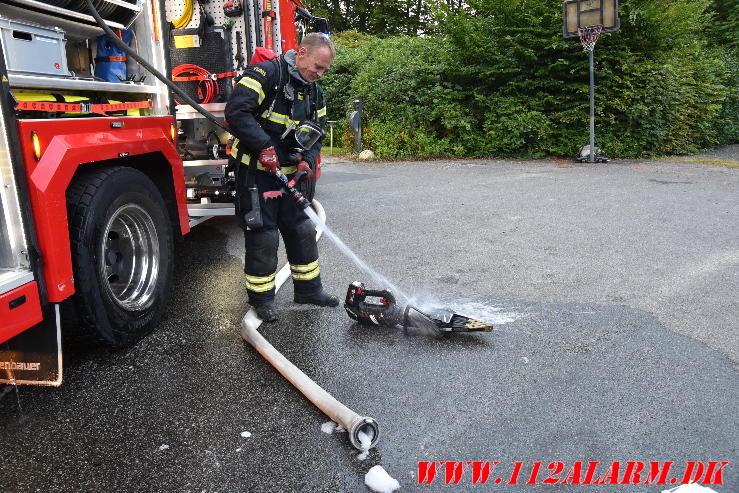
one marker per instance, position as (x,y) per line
(101,169)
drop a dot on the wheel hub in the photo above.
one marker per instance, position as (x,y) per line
(129,267)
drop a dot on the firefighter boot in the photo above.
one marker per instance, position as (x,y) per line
(267,312)
(319,298)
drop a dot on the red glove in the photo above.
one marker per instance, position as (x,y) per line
(304,166)
(268,158)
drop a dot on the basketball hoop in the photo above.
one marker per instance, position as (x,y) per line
(588,36)
(587,19)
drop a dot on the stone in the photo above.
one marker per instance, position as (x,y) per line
(366,155)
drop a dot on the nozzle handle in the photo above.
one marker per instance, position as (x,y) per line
(300,200)
(298,176)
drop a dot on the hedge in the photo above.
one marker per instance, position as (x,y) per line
(503,82)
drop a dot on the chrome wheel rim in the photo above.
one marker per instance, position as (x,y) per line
(129,260)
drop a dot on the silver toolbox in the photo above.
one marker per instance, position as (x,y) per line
(32,49)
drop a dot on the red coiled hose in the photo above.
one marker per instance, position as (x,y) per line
(209,83)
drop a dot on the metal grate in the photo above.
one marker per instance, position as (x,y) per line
(173,9)
(213,55)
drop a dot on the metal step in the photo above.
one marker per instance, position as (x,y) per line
(11,279)
(202,212)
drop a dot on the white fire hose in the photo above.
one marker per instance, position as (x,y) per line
(338,412)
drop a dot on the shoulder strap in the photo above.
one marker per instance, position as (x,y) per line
(260,111)
(278,66)
(314,102)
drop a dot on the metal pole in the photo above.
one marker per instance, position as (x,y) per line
(358,135)
(591,156)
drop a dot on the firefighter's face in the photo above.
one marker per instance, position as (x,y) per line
(313,63)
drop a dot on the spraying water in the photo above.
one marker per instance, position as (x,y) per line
(381,280)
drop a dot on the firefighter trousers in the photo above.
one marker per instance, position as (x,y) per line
(280,216)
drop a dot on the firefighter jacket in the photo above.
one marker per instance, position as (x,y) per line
(269,100)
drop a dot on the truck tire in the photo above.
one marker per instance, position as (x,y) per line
(122,250)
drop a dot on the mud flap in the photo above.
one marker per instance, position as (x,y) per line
(34,357)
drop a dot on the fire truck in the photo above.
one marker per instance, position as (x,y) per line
(102,168)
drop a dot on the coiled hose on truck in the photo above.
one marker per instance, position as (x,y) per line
(182,21)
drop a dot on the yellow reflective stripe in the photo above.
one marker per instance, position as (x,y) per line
(279,118)
(260,288)
(322,112)
(307,276)
(304,268)
(305,272)
(259,280)
(254,85)
(259,284)
(235,152)
(287,170)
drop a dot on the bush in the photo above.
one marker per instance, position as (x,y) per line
(410,109)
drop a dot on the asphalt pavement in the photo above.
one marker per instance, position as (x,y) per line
(612,287)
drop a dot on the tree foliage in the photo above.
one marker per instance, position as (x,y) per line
(378,17)
(499,80)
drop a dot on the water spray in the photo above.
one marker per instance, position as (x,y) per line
(386,310)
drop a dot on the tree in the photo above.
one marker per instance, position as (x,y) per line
(379,17)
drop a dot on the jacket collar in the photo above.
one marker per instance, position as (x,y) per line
(292,69)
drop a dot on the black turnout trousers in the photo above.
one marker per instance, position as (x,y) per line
(279,214)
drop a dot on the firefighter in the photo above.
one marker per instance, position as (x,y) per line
(277,115)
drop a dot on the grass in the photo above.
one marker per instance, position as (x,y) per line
(337,151)
(728,163)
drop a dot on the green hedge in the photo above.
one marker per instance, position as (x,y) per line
(503,82)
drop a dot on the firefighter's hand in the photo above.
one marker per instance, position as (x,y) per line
(304,166)
(268,158)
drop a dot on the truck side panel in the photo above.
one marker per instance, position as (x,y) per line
(20,308)
(62,152)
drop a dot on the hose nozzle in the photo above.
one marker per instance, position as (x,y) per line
(364,432)
(289,185)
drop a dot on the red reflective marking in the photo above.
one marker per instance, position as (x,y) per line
(272,195)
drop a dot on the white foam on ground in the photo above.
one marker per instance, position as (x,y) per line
(330,427)
(245,434)
(690,488)
(378,480)
(491,314)
(365,441)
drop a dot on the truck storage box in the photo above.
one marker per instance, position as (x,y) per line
(31,49)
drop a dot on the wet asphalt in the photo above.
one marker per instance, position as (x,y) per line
(614,286)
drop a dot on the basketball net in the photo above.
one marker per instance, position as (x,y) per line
(588,36)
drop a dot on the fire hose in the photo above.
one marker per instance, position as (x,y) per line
(354,423)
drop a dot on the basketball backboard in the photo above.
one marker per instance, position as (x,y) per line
(584,13)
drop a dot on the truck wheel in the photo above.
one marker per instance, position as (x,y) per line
(122,249)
